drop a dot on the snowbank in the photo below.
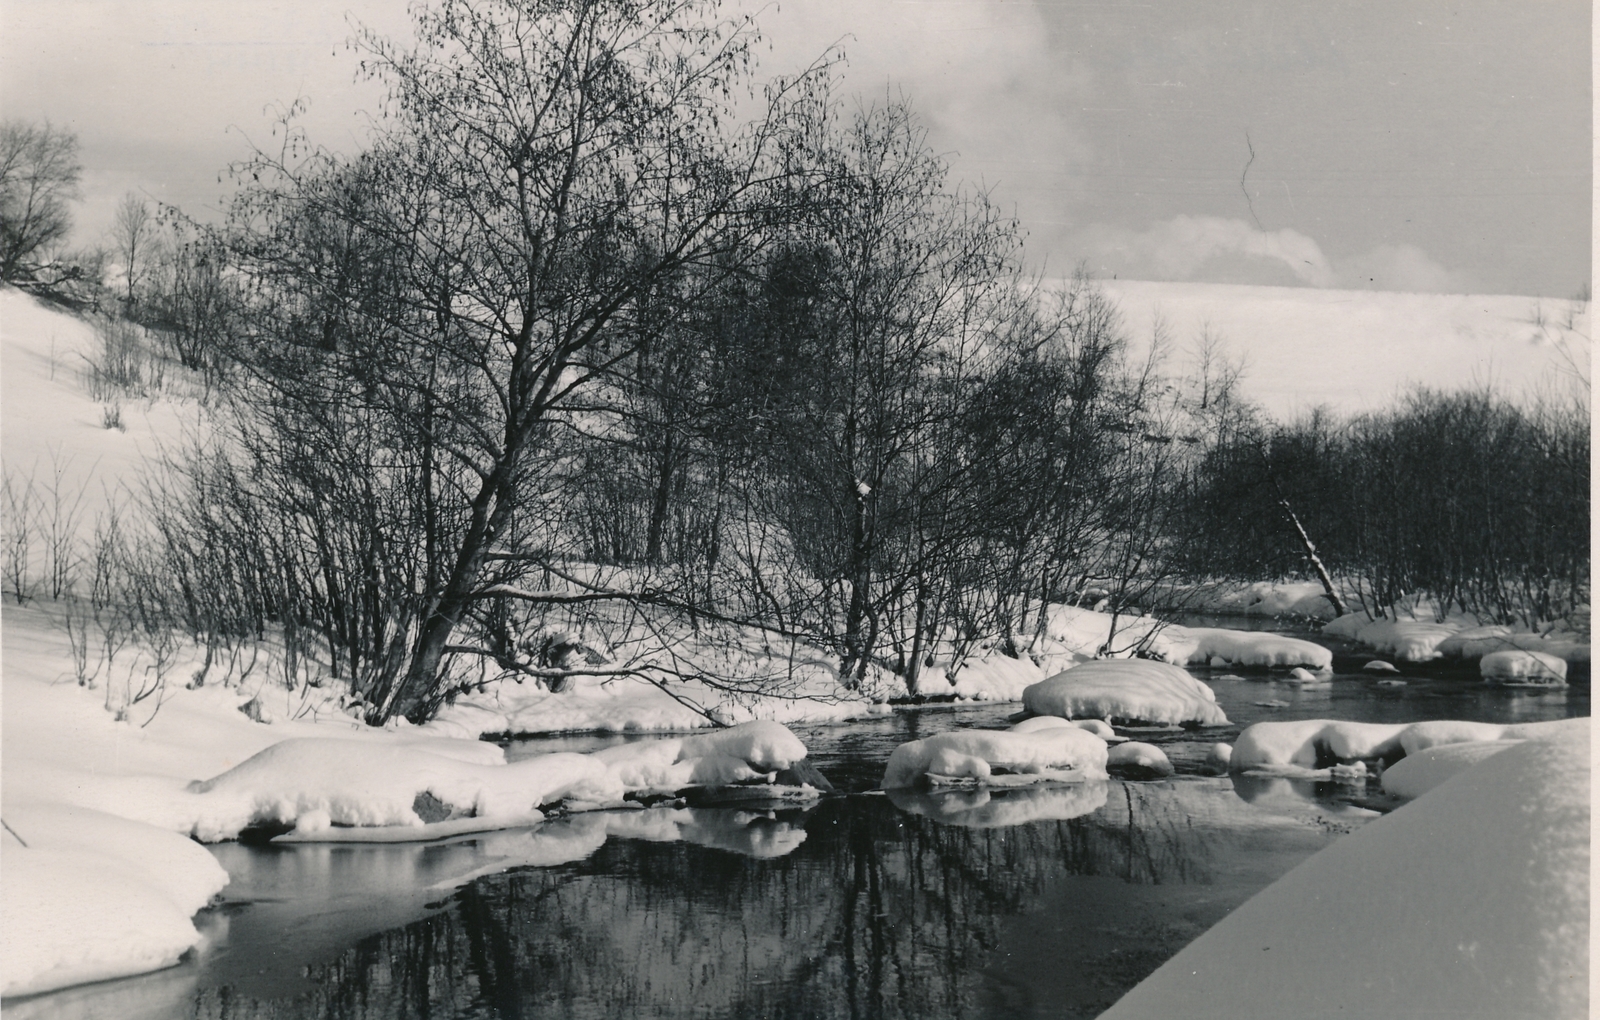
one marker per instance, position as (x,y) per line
(1406,640)
(1074,636)
(994,677)
(1459,637)
(1471,901)
(1062,752)
(1258,649)
(1127,691)
(315,783)
(1312,346)
(1416,774)
(324,787)
(1476,642)
(1520,667)
(1306,742)
(632,705)
(1258,598)
(88,896)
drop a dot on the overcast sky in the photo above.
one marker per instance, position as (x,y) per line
(1418,145)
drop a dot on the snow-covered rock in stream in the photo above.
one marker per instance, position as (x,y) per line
(325,788)
(1217,758)
(981,756)
(1126,691)
(1478,642)
(1523,667)
(1099,727)
(1255,649)
(1471,902)
(1138,760)
(1406,640)
(1459,637)
(1303,743)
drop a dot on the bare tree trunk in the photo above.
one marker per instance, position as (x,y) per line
(659,507)
(860,575)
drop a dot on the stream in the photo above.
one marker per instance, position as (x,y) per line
(1038,902)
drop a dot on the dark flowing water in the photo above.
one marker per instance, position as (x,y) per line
(1045,902)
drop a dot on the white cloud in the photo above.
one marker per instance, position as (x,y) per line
(1186,247)
(1219,250)
(1400,267)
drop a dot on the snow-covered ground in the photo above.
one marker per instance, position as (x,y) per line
(1471,901)
(100,877)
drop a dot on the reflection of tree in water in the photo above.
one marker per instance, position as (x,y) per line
(878,913)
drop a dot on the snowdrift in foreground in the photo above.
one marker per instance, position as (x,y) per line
(89,896)
(1304,743)
(1127,691)
(1471,901)
(1416,774)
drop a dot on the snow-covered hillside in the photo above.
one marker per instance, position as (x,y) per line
(50,423)
(1356,350)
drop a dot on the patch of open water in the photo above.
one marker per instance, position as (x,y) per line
(1022,903)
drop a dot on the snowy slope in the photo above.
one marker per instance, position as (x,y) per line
(1355,350)
(1469,902)
(49,421)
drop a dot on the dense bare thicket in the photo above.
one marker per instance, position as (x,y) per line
(572,345)
(1475,500)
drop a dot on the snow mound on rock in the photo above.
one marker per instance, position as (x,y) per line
(325,787)
(1406,640)
(93,897)
(1256,648)
(1137,760)
(1477,642)
(765,745)
(1063,752)
(1304,742)
(315,783)
(1417,913)
(1128,691)
(1524,667)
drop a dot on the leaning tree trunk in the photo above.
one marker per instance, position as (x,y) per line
(1305,539)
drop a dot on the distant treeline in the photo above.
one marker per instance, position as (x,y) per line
(1469,497)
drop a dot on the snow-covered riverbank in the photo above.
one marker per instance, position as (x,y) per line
(1472,901)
